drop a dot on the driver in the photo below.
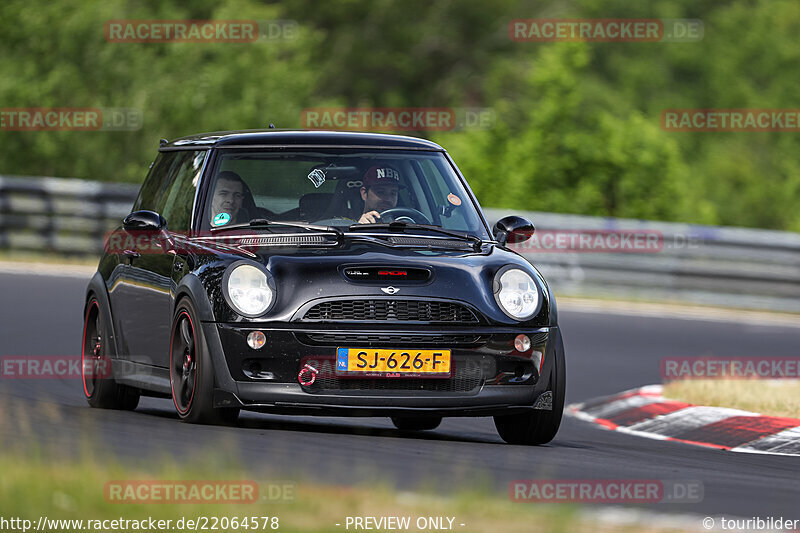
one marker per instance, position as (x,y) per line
(379,192)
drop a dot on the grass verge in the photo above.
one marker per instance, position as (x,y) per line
(16,256)
(767,397)
(32,486)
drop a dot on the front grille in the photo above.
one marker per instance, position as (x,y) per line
(391,311)
(391,340)
(467,375)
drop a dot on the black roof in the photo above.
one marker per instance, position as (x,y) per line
(299,138)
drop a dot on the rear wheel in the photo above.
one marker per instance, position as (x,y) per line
(99,386)
(538,426)
(416,423)
(191,373)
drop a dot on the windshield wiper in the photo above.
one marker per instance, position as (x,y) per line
(402,226)
(264,223)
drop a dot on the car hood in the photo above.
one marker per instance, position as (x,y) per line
(368,270)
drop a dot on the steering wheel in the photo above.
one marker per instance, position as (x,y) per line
(406,212)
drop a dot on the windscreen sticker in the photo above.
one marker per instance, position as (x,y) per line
(317,177)
(453,199)
(221,219)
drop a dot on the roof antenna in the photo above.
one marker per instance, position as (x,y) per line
(271,126)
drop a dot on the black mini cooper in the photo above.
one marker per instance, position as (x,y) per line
(323,273)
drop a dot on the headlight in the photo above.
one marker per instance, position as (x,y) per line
(248,289)
(516,293)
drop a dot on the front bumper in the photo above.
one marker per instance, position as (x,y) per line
(490,376)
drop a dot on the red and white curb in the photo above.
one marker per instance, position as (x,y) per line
(646,413)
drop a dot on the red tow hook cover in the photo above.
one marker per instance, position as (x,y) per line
(309,371)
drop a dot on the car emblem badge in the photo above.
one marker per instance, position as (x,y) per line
(389,290)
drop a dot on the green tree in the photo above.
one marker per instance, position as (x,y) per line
(561,148)
(57,56)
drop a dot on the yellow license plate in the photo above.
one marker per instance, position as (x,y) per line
(393,362)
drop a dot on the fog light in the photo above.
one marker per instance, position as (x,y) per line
(256,340)
(522,343)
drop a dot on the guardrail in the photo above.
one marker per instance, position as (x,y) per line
(728,266)
(737,267)
(66,216)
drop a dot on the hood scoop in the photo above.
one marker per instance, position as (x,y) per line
(394,274)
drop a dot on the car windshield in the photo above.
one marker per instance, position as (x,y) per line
(339,187)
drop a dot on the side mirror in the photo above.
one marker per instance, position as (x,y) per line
(513,229)
(144,221)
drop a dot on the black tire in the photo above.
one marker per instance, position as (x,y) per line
(191,371)
(99,387)
(416,423)
(538,427)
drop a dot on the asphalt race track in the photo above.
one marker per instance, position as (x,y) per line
(606,353)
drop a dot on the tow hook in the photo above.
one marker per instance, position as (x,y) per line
(307,375)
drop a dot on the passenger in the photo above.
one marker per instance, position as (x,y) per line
(226,204)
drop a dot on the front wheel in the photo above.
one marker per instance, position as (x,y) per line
(191,373)
(538,426)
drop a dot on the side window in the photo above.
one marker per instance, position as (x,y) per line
(175,204)
(154,182)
